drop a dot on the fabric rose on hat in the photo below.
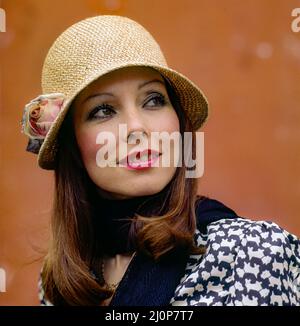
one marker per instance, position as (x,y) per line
(39,115)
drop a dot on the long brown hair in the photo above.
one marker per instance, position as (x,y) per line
(73,254)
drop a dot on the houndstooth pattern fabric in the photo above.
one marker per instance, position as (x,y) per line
(247,263)
(42,298)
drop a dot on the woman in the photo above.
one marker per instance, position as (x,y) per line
(128,227)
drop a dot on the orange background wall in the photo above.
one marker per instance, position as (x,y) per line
(245,57)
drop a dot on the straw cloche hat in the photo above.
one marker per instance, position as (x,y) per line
(80,55)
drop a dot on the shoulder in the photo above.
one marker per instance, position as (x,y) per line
(219,222)
(247,262)
(251,235)
(265,260)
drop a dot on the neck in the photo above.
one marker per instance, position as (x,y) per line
(113,270)
(113,223)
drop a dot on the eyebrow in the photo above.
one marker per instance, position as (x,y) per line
(150,82)
(139,87)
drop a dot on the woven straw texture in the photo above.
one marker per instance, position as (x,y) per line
(96,46)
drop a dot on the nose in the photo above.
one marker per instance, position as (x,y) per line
(136,123)
(135,134)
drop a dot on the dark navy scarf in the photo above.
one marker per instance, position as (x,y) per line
(149,283)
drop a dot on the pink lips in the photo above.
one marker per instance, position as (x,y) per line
(133,162)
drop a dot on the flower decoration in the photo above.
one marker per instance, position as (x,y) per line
(39,115)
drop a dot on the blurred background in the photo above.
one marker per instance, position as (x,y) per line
(243,54)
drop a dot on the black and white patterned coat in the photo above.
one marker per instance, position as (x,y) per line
(248,263)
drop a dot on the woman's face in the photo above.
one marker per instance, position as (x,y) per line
(137,99)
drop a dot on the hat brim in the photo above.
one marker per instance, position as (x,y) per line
(191,98)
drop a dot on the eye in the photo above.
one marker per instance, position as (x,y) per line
(156,100)
(101,112)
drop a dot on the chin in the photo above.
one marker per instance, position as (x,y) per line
(135,191)
(145,191)
(127,187)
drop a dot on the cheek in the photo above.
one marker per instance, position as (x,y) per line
(168,121)
(86,140)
